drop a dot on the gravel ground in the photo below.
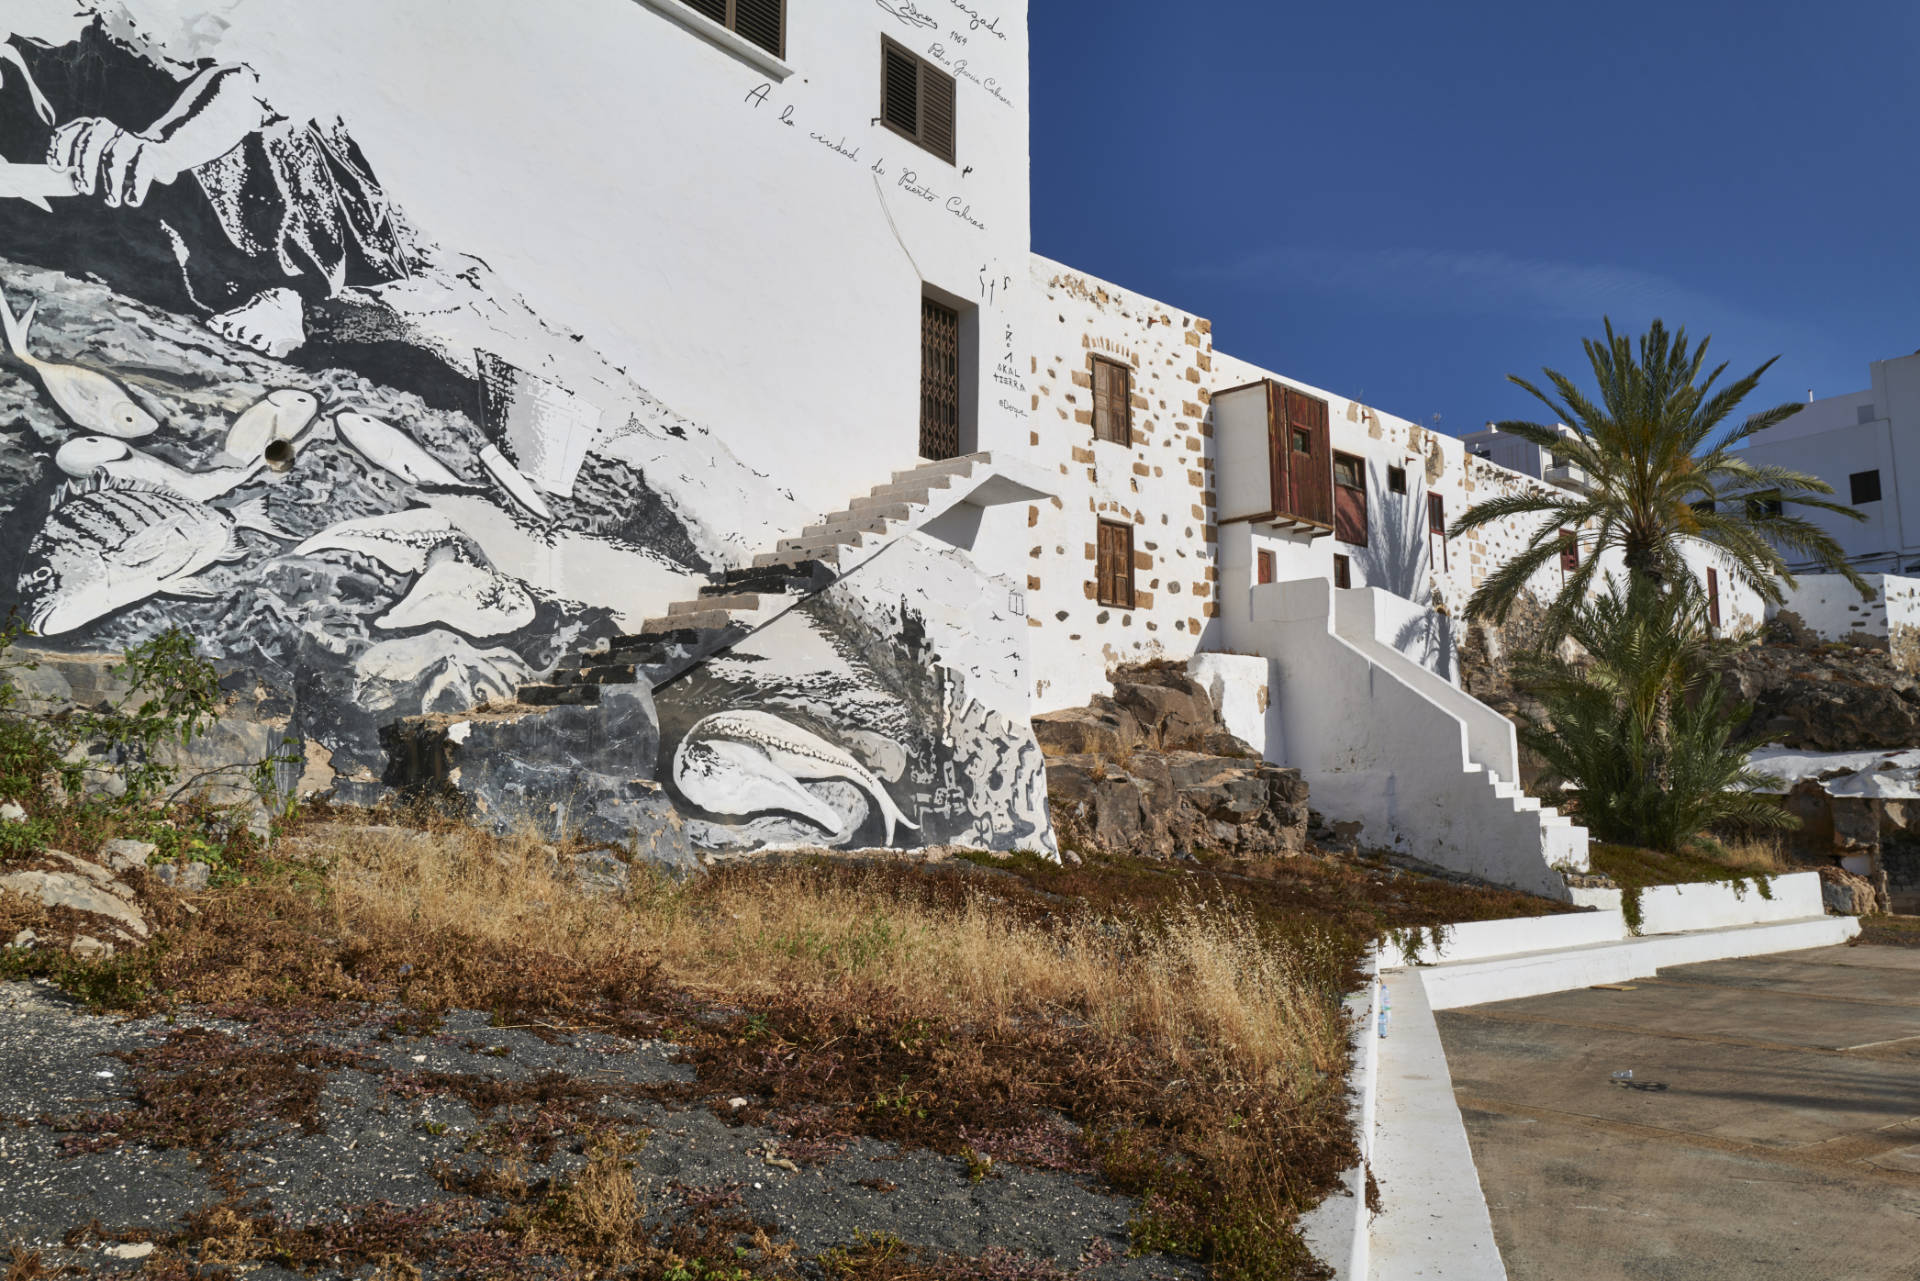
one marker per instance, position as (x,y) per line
(376,1140)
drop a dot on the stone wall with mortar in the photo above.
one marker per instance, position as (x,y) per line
(1161,482)
(1826,607)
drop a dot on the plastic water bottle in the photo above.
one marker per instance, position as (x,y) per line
(1386,1008)
(1624,1075)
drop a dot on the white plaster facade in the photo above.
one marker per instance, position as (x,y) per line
(1864,444)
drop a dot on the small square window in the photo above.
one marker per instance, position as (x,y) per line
(1302,442)
(916,99)
(1396,480)
(1342,571)
(1865,487)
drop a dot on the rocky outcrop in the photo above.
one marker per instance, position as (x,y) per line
(1827,698)
(1152,770)
(1848,894)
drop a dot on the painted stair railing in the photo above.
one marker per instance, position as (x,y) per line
(943,499)
(1427,769)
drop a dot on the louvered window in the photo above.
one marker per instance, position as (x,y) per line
(916,98)
(761,22)
(939,380)
(1112,401)
(1113,565)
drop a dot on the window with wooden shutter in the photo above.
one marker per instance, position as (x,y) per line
(1342,571)
(916,98)
(939,380)
(1265,566)
(1437,529)
(1350,499)
(1112,401)
(1113,565)
(760,22)
(1713,598)
(1303,484)
(1569,552)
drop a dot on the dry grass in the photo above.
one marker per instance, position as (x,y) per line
(1199,985)
(1175,1030)
(1756,854)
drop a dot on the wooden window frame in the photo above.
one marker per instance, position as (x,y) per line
(1569,551)
(1123,433)
(1713,598)
(1264,567)
(925,72)
(1437,506)
(1117,598)
(1342,571)
(728,21)
(1366,506)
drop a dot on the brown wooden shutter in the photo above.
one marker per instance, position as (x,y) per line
(1342,572)
(1350,499)
(1437,527)
(900,89)
(762,22)
(1311,469)
(715,9)
(1113,565)
(936,112)
(1713,598)
(1265,564)
(1112,401)
(1569,552)
(917,99)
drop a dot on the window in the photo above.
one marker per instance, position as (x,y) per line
(1112,401)
(1113,565)
(1705,506)
(1396,480)
(939,380)
(1342,571)
(1865,486)
(1350,499)
(1862,415)
(1569,552)
(1437,529)
(1265,567)
(1713,598)
(916,99)
(1762,506)
(760,22)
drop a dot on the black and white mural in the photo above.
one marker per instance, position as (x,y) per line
(241,395)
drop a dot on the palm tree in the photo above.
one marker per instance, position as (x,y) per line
(1640,729)
(1663,469)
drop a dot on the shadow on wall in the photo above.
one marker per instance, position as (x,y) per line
(1395,560)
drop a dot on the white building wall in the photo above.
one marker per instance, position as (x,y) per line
(750,244)
(1875,430)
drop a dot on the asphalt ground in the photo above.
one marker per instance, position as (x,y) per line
(1771,1127)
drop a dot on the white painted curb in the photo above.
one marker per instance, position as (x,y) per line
(1435,1221)
(1338,1229)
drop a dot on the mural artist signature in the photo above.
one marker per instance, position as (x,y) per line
(977,23)
(906,11)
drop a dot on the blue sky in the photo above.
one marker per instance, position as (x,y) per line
(1407,202)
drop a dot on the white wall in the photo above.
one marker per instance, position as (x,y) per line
(1873,430)
(753,250)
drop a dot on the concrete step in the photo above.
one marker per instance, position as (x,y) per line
(890,506)
(961,466)
(917,493)
(708,620)
(737,602)
(558,695)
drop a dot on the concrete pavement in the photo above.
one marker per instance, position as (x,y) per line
(1772,1129)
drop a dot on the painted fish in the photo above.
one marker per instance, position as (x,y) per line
(92,399)
(748,762)
(401,541)
(106,546)
(389,447)
(469,598)
(85,457)
(279,415)
(514,481)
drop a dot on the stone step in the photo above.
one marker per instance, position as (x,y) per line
(558,695)
(828,556)
(708,620)
(961,466)
(917,493)
(869,510)
(738,602)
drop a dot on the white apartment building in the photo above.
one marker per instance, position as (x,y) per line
(1862,443)
(1525,457)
